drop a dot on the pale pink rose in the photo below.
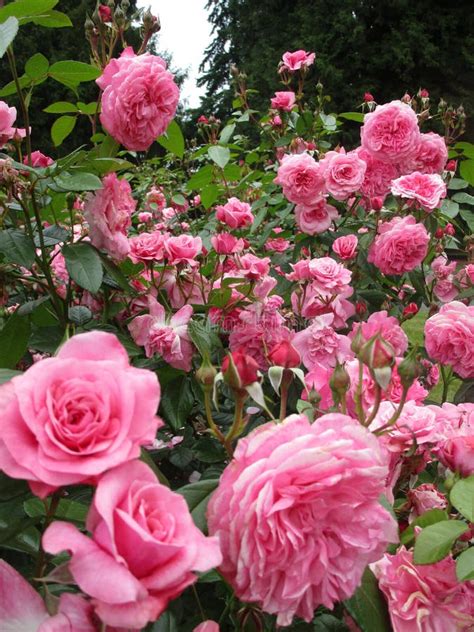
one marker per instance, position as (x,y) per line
(235,214)
(253,267)
(284,508)
(155,201)
(300,272)
(378,175)
(443,274)
(425,598)
(430,155)
(317,301)
(400,246)
(7,128)
(182,249)
(167,336)
(283,101)
(108,212)
(70,418)
(455,449)
(320,344)
(426,497)
(329,276)
(38,160)
(301,178)
(345,247)
(427,189)
(316,217)
(143,542)
(387,326)
(390,133)
(139,99)
(147,247)
(445,290)
(296,60)
(277,244)
(449,337)
(343,173)
(227,244)
(207,626)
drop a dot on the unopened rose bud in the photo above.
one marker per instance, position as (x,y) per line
(439,233)
(105,13)
(423,93)
(409,369)
(361,308)
(410,310)
(151,23)
(406,98)
(284,354)
(119,17)
(358,341)
(206,374)
(89,27)
(377,353)
(449,230)
(340,380)
(368,97)
(451,166)
(239,370)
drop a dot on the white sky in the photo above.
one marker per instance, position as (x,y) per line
(185,33)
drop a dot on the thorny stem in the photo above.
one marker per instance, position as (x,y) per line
(53,505)
(210,420)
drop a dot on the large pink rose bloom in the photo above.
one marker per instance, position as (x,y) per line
(343,173)
(315,218)
(144,544)
(387,326)
(455,449)
(425,598)
(345,247)
(7,127)
(70,418)
(378,174)
(427,189)
(283,101)
(139,99)
(390,133)
(284,514)
(320,344)
(234,213)
(401,245)
(296,60)
(301,178)
(449,337)
(108,212)
(430,155)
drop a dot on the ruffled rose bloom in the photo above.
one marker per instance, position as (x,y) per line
(345,247)
(455,449)
(108,212)
(426,497)
(143,541)
(426,597)
(329,276)
(316,217)
(296,60)
(390,133)
(284,508)
(443,274)
(343,173)
(166,336)
(427,189)
(277,244)
(387,326)
(283,101)
(38,160)
(182,249)
(301,178)
(235,214)
(253,267)
(227,244)
(430,155)
(146,247)
(319,343)
(449,337)
(378,175)
(139,99)
(400,246)
(70,418)
(7,120)
(317,301)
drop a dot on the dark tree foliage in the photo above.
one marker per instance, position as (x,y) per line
(385,48)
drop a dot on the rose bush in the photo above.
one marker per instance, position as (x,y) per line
(236,372)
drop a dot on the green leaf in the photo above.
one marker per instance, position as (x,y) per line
(462,497)
(181,457)
(73,72)
(166,623)
(204,337)
(78,181)
(457,183)
(14,340)
(328,623)
(53,235)
(226,133)
(465,565)
(435,541)
(60,107)
(177,402)
(450,208)
(429,517)
(173,140)
(30,306)
(197,496)
(464,198)
(352,116)
(209,195)
(66,510)
(36,66)
(220,155)
(17,248)
(368,607)
(61,129)
(84,266)
(10,88)
(24,10)
(46,339)
(79,315)
(200,178)
(53,20)
(7,374)
(468,217)
(8,31)
(467,171)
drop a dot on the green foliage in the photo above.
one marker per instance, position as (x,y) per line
(173,139)
(435,541)
(84,265)
(368,606)
(462,497)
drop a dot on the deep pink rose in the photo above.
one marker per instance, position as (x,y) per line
(284,512)
(328,275)
(449,337)
(283,101)
(345,247)
(427,189)
(147,247)
(38,160)
(226,244)
(425,598)
(320,344)
(235,214)
(108,212)
(139,99)
(400,246)
(378,175)
(70,418)
(316,217)
(183,249)
(301,178)
(143,551)
(430,155)
(343,173)
(296,60)
(390,133)
(387,326)
(7,128)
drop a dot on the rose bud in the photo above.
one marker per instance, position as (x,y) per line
(410,310)
(105,13)
(439,233)
(368,97)
(239,370)
(377,353)
(451,166)
(284,354)
(449,230)
(409,369)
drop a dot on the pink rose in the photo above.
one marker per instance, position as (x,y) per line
(207,626)
(143,541)
(387,326)
(301,178)
(400,246)
(316,217)
(146,247)
(296,60)
(167,336)
(235,214)
(378,175)
(70,418)
(284,511)
(108,212)
(430,155)
(449,337)
(277,244)
(426,497)
(139,99)
(253,267)
(330,276)
(424,597)
(38,160)
(320,344)
(7,119)
(390,133)
(183,249)
(343,173)
(283,101)
(424,188)
(345,247)
(155,200)
(226,244)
